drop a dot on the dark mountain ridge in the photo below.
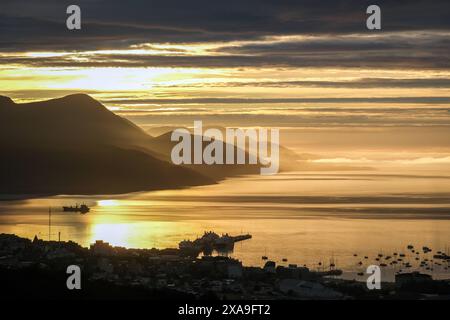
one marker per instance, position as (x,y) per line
(74,145)
(75,119)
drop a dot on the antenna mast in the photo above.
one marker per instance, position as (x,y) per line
(49,222)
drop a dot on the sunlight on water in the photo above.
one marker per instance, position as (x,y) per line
(306,218)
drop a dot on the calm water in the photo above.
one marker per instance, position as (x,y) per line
(305,217)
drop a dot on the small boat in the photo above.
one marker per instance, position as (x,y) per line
(81,209)
(264,257)
(284,260)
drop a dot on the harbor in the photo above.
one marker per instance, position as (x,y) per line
(317,243)
(149,273)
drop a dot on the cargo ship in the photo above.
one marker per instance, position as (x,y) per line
(81,209)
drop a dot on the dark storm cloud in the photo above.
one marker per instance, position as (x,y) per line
(403,59)
(416,41)
(420,50)
(336,32)
(27,25)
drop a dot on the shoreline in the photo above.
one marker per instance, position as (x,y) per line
(146,273)
(30,196)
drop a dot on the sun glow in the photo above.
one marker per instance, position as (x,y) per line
(108,203)
(116,234)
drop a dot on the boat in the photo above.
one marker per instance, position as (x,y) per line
(81,209)
(426,249)
(264,257)
(210,241)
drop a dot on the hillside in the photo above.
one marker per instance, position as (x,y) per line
(74,145)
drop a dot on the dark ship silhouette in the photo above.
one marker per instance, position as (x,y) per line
(81,209)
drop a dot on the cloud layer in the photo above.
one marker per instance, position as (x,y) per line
(414,34)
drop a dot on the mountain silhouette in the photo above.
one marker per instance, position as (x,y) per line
(164,145)
(74,145)
(75,119)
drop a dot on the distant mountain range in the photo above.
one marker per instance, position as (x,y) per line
(75,145)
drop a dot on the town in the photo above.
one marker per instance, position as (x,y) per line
(37,268)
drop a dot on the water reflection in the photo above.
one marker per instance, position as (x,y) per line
(305,222)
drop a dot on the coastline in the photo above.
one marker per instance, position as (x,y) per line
(19,197)
(115,272)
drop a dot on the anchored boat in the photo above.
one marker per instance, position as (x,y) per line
(81,209)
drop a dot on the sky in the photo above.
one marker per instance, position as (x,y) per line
(297,65)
